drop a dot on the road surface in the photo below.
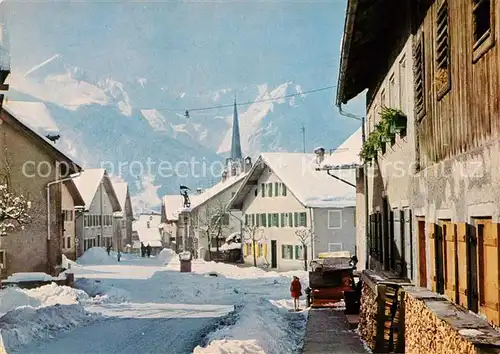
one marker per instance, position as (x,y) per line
(135,328)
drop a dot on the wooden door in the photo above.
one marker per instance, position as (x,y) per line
(487,250)
(472,270)
(462,272)
(449,264)
(422,259)
(274,254)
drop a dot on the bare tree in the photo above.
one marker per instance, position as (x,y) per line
(306,237)
(211,220)
(254,234)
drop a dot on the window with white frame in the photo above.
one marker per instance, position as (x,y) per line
(287,251)
(334,219)
(299,252)
(334,247)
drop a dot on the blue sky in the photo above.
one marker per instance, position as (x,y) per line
(188,47)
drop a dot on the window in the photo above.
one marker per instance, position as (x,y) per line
(261,250)
(392,91)
(282,219)
(263,219)
(334,247)
(402,85)
(299,252)
(246,219)
(256,191)
(148,224)
(263,190)
(258,219)
(287,251)
(483,21)
(419,72)
(276,219)
(100,220)
(382,99)
(253,219)
(290,220)
(283,190)
(269,189)
(442,76)
(296,219)
(303,219)
(85,221)
(334,219)
(276,189)
(69,242)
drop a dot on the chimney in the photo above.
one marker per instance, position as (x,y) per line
(248,164)
(320,155)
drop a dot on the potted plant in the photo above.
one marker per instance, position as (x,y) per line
(394,120)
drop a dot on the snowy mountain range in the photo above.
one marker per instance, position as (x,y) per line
(116,83)
(101,125)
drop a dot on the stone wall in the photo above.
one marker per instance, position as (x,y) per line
(367,318)
(435,325)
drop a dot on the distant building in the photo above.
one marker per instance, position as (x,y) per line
(147,228)
(123,218)
(94,227)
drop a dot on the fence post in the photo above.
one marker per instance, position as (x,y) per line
(380,319)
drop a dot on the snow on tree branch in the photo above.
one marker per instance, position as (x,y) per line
(305,236)
(13,210)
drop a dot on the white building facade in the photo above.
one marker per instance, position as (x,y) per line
(286,199)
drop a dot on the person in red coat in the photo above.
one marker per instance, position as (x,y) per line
(296,291)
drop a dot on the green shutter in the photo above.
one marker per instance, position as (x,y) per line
(264,223)
(246,219)
(269,189)
(283,188)
(276,189)
(296,219)
(263,190)
(290,219)
(257,219)
(282,216)
(253,219)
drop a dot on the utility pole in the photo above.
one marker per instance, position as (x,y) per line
(303,130)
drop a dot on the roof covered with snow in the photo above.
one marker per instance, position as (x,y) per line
(347,153)
(121,189)
(173,204)
(36,121)
(88,183)
(207,194)
(146,227)
(298,172)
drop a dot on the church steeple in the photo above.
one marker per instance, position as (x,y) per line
(236,154)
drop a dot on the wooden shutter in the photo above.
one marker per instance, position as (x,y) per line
(449,256)
(462,264)
(488,269)
(432,254)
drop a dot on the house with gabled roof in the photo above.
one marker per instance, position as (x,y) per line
(32,166)
(148,230)
(284,194)
(170,228)
(124,218)
(95,224)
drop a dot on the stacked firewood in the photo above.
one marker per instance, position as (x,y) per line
(367,317)
(426,333)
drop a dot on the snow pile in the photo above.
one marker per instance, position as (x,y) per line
(97,255)
(24,325)
(26,277)
(261,327)
(54,294)
(165,256)
(185,256)
(12,298)
(102,292)
(48,295)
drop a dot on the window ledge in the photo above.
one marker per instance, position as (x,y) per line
(483,46)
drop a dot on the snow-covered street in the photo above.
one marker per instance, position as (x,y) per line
(148,306)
